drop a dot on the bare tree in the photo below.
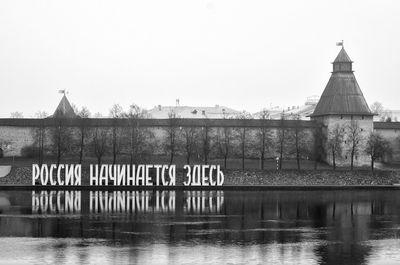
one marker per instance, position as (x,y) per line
(241,135)
(387,116)
(377,108)
(75,109)
(138,136)
(205,141)
(223,141)
(84,113)
(335,140)
(354,139)
(299,141)
(376,147)
(100,143)
(116,112)
(383,114)
(98,115)
(172,133)
(16,115)
(39,136)
(189,136)
(61,136)
(263,137)
(281,137)
(318,150)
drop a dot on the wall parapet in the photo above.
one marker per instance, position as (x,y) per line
(386,125)
(109,122)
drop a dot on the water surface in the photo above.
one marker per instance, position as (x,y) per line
(200,227)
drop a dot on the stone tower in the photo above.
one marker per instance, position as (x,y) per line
(342,104)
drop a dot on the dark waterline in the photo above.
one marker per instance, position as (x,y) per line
(202,227)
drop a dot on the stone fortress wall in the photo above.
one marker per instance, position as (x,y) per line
(15,134)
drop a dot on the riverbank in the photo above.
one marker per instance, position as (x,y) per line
(233,177)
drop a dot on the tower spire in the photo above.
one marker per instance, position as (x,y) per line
(342,94)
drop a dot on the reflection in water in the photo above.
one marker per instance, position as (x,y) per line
(56,202)
(198,202)
(131,201)
(298,227)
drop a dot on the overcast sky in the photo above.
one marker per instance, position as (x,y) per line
(240,54)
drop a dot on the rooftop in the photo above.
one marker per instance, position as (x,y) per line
(64,109)
(342,94)
(342,57)
(192,112)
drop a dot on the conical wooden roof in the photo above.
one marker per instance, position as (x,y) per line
(342,94)
(342,57)
(64,109)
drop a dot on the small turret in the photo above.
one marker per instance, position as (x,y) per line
(342,62)
(64,109)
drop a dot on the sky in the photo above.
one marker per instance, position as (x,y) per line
(246,55)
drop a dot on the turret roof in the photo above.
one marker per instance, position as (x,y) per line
(342,94)
(64,109)
(342,57)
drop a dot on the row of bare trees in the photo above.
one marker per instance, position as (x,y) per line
(194,143)
(200,143)
(85,141)
(241,142)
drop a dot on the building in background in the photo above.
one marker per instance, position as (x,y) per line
(302,112)
(192,112)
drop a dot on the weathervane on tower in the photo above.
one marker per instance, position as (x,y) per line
(340,43)
(62,91)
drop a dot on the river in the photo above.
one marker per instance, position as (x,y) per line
(200,227)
